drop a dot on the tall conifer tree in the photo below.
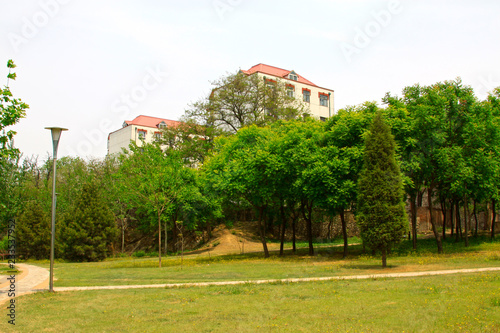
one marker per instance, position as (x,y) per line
(381,212)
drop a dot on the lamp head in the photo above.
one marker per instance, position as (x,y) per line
(56,135)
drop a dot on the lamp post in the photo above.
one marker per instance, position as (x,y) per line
(56,135)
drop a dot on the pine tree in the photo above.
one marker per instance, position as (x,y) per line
(381,212)
(90,229)
(33,232)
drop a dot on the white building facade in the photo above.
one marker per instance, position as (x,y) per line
(317,99)
(142,128)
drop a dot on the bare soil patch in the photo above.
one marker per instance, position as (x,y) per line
(241,238)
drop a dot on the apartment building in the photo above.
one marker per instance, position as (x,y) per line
(142,128)
(319,100)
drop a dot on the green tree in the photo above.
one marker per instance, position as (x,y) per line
(33,232)
(243,168)
(89,228)
(10,199)
(484,141)
(344,146)
(310,174)
(11,110)
(193,141)
(381,212)
(240,100)
(151,180)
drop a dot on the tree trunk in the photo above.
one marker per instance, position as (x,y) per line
(123,235)
(262,231)
(329,234)
(443,211)
(466,222)
(452,217)
(159,239)
(294,227)
(283,226)
(270,224)
(309,235)
(493,219)
(209,231)
(384,257)
(306,213)
(487,217)
(174,237)
(457,221)
(433,223)
(344,231)
(413,208)
(475,218)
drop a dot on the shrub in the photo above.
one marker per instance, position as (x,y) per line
(139,254)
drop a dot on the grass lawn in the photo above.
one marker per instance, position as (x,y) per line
(327,262)
(6,270)
(451,303)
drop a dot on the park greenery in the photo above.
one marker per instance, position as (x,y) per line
(248,149)
(449,303)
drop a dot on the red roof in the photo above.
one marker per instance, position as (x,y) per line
(275,71)
(148,121)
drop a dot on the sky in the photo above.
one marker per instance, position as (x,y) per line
(88,65)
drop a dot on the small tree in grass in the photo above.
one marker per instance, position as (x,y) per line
(381,213)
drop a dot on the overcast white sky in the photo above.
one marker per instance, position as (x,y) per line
(89,65)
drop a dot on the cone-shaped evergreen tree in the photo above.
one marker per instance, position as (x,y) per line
(381,212)
(89,230)
(33,232)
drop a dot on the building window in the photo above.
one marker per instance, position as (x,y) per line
(323,99)
(270,83)
(290,90)
(157,136)
(162,125)
(306,94)
(293,77)
(322,118)
(141,134)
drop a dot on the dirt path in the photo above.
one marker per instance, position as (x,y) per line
(31,279)
(34,279)
(330,278)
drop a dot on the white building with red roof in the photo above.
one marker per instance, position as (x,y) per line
(142,128)
(319,100)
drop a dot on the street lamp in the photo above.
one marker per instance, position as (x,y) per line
(56,135)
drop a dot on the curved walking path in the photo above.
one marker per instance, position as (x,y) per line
(34,278)
(31,279)
(330,278)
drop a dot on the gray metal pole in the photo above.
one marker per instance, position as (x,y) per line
(53,235)
(56,135)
